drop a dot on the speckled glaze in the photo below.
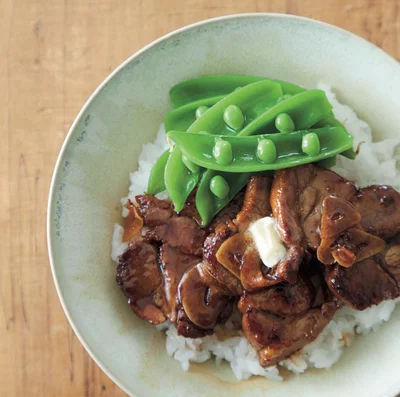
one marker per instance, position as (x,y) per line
(102,147)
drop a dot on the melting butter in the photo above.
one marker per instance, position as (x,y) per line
(267,241)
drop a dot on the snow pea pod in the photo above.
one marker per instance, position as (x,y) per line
(332,121)
(290,88)
(156,180)
(305,109)
(207,203)
(179,180)
(252,100)
(327,163)
(199,148)
(210,86)
(207,86)
(182,118)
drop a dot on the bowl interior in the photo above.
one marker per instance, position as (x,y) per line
(103,147)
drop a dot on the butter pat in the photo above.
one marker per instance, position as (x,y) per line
(267,241)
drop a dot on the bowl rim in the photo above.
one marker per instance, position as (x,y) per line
(51,201)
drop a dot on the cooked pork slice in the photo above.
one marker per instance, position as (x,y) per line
(174,264)
(256,203)
(364,284)
(189,210)
(203,304)
(211,270)
(296,199)
(154,211)
(281,300)
(379,207)
(237,252)
(180,232)
(255,275)
(276,338)
(228,214)
(139,278)
(391,258)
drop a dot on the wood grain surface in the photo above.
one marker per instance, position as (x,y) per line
(53,54)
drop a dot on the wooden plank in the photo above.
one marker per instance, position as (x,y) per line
(52,56)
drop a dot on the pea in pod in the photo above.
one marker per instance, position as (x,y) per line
(284,106)
(179,180)
(211,86)
(156,180)
(207,203)
(251,99)
(289,153)
(332,121)
(182,118)
(305,109)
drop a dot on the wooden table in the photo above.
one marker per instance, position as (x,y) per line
(53,54)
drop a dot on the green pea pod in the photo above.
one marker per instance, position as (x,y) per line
(327,163)
(247,156)
(252,100)
(156,180)
(210,86)
(305,109)
(182,118)
(332,121)
(290,88)
(207,204)
(207,86)
(179,181)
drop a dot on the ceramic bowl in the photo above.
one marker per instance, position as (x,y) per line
(102,147)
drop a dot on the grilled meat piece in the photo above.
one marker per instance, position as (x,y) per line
(281,300)
(364,284)
(154,211)
(139,278)
(276,338)
(379,207)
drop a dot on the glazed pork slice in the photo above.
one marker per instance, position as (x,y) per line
(238,253)
(276,338)
(379,207)
(222,227)
(256,203)
(281,300)
(154,212)
(362,285)
(315,208)
(390,259)
(296,200)
(139,278)
(180,232)
(254,275)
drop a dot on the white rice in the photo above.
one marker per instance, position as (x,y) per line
(376,164)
